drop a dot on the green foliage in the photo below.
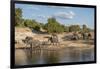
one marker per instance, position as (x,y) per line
(42,25)
(37,28)
(32,24)
(66,29)
(18,16)
(53,26)
(85,29)
(28,23)
(74,28)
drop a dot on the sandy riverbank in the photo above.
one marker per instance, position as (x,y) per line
(21,33)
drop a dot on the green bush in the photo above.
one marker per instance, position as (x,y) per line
(53,26)
(74,28)
(18,16)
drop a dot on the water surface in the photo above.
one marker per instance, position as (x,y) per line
(67,55)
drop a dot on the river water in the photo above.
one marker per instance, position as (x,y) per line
(38,56)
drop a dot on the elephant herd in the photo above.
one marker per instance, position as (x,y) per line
(53,40)
(83,36)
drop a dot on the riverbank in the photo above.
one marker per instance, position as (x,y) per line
(21,33)
(66,44)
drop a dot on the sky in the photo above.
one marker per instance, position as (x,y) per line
(64,14)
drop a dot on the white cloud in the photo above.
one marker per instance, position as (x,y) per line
(65,15)
(61,15)
(72,13)
(44,17)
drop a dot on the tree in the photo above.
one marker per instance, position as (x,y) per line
(18,16)
(74,28)
(28,23)
(66,28)
(85,29)
(53,26)
(32,24)
(37,28)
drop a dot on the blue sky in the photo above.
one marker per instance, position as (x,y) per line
(65,15)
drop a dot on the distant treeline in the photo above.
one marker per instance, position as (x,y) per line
(52,25)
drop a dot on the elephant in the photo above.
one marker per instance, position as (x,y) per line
(31,42)
(54,40)
(75,36)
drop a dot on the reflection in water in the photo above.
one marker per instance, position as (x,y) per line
(57,56)
(87,55)
(51,57)
(20,57)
